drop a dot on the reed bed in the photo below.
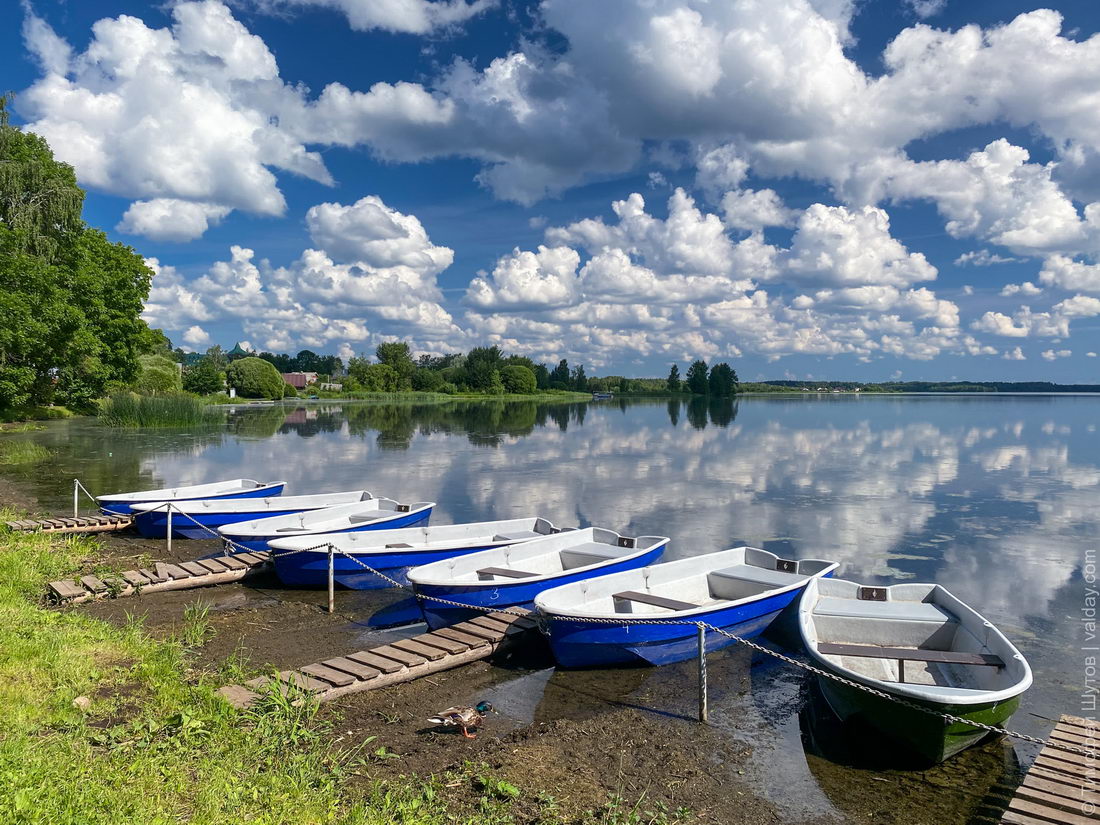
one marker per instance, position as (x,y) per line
(130,410)
(22,452)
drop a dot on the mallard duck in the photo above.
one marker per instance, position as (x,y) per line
(464,718)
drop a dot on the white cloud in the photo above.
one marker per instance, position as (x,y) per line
(196,336)
(1091,354)
(1051,355)
(169,219)
(1026,288)
(1064,272)
(1079,306)
(997,323)
(407,16)
(926,8)
(983,257)
(1015,354)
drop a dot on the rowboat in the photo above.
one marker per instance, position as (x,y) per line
(198,519)
(514,575)
(394,552)
(371,514)
(122,503)
(917,643)
(740,590)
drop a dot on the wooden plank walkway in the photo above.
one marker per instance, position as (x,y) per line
(1061,787)
(83,524)
(393,663)
(182,576)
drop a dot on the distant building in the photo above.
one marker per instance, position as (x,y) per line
(237,352)
(298,380)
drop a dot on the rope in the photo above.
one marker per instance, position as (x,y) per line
(826,674)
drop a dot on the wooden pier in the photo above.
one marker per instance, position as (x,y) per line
(1061,787)
(393,663)
(81,524)
(182,576)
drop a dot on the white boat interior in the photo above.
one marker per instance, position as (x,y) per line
(257,505)
(214,488)
(535,560)
(427,539)
(917,640)
(688,586)
(325,520)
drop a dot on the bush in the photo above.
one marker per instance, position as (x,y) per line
(255,378)
(290,391)
(426,380)
(204,378)
(518,379)
(157,375)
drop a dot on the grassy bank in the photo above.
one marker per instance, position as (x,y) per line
(104,724)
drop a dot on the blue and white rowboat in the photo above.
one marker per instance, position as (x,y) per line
(740,590)
(514,575)
(370,514)
(121,503)
(151,520)
(394,552)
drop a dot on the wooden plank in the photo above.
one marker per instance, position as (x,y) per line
(426,651)
(656,601)
(1058,777)
(1075,769)
(1040,812)
(467,639)
(328,674)
(93,584)
(354,668)
(505,573)
(67,589)
(251,559)
(155,578)
(1064,734)
(194,569)
(172,571)
(1074,795)
(442,642)
(1017,818)
(213,565)
(300,680)
(492,623)
(910,654)
(380,663)
(258,683)
(402,656)
(1079,722)
(134,577)
(232,563)
(477,630)
(237,696)
(1050,800)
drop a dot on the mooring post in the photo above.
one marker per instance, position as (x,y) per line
(169,530)
(331,580)
(703,710)
(76,498)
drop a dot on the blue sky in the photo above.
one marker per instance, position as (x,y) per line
(804,188)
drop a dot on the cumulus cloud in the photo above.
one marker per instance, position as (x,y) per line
(407,16)
(1052,355)
(1026,288)
(983,257)
(1014,354)
(1066,273)
(926,8)
(170,219)
(196,336)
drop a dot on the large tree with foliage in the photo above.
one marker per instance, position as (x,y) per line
(70,299)
(673,382)
(518,379)
(723,380)
(559,376)
(483,365)
(397,356)
(204,378)
(254,377)
(697,378)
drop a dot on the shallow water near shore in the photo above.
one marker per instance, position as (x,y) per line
(995,497)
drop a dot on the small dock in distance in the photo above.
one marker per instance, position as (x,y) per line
(1061,788)
(79,524)
(393,663)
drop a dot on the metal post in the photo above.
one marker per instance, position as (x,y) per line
(703,710)
(331,580)
(76,498)
(169,530)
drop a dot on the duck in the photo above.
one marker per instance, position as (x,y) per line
(463,717)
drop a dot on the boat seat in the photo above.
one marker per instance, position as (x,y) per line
(592,552)
(505,572)
(894,611)
(517,535)
(365,518)
(759,575)
(653,599)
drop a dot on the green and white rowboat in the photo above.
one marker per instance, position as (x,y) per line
(918,643)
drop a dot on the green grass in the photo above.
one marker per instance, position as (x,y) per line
(22,452)
(154,744)
(130,410)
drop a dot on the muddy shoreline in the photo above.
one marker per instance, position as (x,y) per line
(582,738)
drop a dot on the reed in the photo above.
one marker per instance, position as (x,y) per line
(22,452)
(130,410)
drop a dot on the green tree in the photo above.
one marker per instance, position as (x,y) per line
(723,380)
(481,363)
(157,375)
(253,377)
(204,378)
(674,383)
(578,381)
(427,380)
(559,376)
(155,342)
(518,379)
(542,377)
(397,356)
(217,356)
(697,378)
(306,361)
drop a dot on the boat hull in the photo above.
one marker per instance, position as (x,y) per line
(929,737)
(124,508)
(153,524)
(311,569)
(518,593)
(579,644)
(256,544)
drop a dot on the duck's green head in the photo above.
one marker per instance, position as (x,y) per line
(483,707)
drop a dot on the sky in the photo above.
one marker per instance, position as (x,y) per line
(882,189)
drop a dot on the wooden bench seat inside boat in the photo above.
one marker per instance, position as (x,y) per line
(592,552)
(933,667)
(516,535)
(362,519)
(505,572)
(760,575)
(894,611)
(654,600)
(948,657)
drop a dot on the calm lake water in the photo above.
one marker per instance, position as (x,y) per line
(997,498)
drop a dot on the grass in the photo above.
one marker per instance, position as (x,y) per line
(21,452)
(130,410)
(103,723)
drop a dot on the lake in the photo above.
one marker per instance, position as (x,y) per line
(995,497)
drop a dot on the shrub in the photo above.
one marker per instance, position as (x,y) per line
(157,375)
(255,378)
(518,379)
(290,391)
(204,378)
